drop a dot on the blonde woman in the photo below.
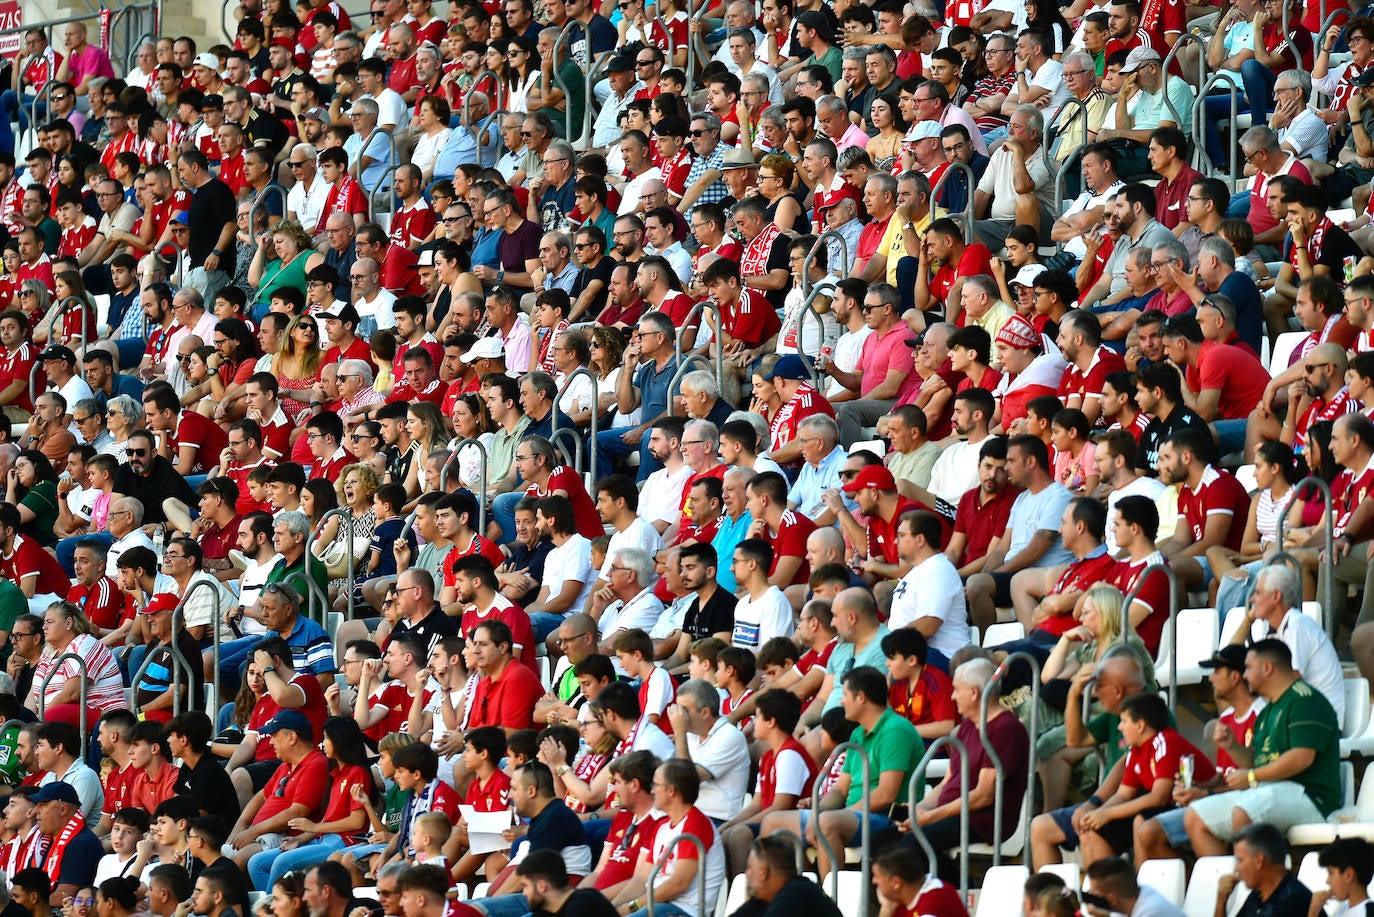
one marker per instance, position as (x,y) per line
(425,424)
(67,630)
(297,365)
(280,261)
(355,489)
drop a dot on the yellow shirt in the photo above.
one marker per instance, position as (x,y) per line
(896,243)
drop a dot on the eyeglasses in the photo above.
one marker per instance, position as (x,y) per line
(136,453)
(1315,366)
(15,635)
(296,164)
(699,133)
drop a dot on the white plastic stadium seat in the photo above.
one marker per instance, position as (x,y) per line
(1313,875)
(1234,617)
(1245,474)
(1314,611)
(1011,846)
(1201,897)
(853,888)
(1003,889)
(1356,710)
(1316,834)
(1284,346)
(1069,872)
(1198,632)
(1168,877)
(735,898)
(997,634)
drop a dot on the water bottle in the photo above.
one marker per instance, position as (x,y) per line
(159,539)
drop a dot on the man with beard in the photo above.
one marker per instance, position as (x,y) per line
(151,479)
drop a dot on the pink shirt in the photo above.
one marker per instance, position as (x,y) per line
(855,136)
(882,354)
(89,61)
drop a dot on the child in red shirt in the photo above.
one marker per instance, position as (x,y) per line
(921,693)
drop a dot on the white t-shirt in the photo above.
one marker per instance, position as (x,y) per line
(660,500)
(391,109)
(634,188)
(724,753)
(1314,658)
(759,620)
(639,534)
(308,203)
(571,560)
(932,589)
(1142,486)
(251,581)
(955,472)
(847,350)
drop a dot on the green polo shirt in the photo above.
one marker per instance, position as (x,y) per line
(1302,717)
(893,745)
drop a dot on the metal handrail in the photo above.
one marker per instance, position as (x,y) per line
(1085,714)
(594,64)
(997,676)
(1169,58)
(1127,630)
(675,383)
(467,100)
(1327,22)
(380,186)
(86,310)
(261,201)
(916,782)
(482,476)
(1200,113)
(596,409)
(809,308)
(81,697)
(971,179)
(701,870)
(1328,557)
(215,620)
(346,526)
(367,142)
(865,819)
(693,40)
(811,256)
(700,309)
(565,36)
(558,436)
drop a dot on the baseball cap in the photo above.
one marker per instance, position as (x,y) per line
(789,366)
(1228,657)
(426,258)
(57,791)
(488,348)
(1138,58)
(57,352)
(317,113)
(343,311)
(924,130)
(163,601)
(183,218)
(1028,274)
(206,60)
(620,63)
(289,719)
(875,476)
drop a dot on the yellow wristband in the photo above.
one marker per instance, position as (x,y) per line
(1253,779)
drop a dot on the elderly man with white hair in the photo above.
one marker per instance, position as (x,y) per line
(999,203)
(373,161)
(356,392)
(715,745)
(1276,610)
(628,602)
(305,200)
(822,459)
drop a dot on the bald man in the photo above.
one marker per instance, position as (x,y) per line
(1118,677)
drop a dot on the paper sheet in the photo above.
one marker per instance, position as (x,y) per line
(484,829)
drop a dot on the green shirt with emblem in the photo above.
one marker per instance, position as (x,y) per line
(892,745)
(1302,717)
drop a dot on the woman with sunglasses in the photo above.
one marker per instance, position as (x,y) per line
(522,75)
(345,820)
(365,443)
(123,415)
(64,321)
(33,301)
(297,365)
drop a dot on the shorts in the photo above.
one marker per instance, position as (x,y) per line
(876,823)
(269,841)
(1001,596)
(1171,822)
(1282,803)
(1063,820)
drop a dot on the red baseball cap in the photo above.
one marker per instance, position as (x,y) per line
(875,476)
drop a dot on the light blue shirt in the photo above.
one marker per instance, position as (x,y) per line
(1036,512)
(728,535)
(843,659)
(380,152)
(815,480)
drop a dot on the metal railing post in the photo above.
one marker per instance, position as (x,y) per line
(998,766)
(467,99)
(674,384)
(558,436)
(82,688)
(1169,58)
(482,476)
(178,662)
(701,870)
(971,182)
(1328,558)
(1046,147)
(1200,114)
(811,255)
(594,63)
(346,525)
(916,783)
(865,829)
(214,626)
(1127,629)
(712,321)
(596,409)
(564,37)
(61,313)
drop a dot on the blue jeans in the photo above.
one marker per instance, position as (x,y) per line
(1234,591)
(267,866)
(1259,90)
(1230,435)
(131,352)
(503,906)
(1218,108)
(544,623)
(611,448)
(232,656)
(67,547)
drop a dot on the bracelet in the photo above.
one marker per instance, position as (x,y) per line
(1252,778)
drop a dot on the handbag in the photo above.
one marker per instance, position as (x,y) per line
(334,555)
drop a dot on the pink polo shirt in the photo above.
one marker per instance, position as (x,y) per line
(880,355)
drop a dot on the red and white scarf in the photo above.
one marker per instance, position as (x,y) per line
(754,262)
(52,860)
(1315,239)
(586,769)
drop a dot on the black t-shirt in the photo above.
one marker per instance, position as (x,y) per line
(556,828)
(603,270)
(1159,430)
(717,616)
(265,129)
(583,902)
(209,787)
(238,891)
(801,896)
(433,628)
(778,258)
(1291,897)
(212,206)
(162,483)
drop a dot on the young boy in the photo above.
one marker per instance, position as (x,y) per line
(20,829)
(786,772)
(1349,863)
(734,673)
(921,693)
(521,748)
(593,674)
(259,488)
(358,859)
(705,654)
(432,832)
(635,651)
(775,659)
(1147,779)
(489,790)
(417,770)
(388,503)
(126,830)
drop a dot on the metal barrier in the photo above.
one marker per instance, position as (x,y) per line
(865,816)
(594,64)
(1085,713)
(1328,556)
(565,37)
(701,871)
(467,100)
(996,759)
(361,15)
(261,201)
(811,256)
(700,309)
(395,162)
(596,410)
(1127,629)
(1169,58)
(482,478)
(1200,114)
(558,436)
(675,383)
(965,168)
(86,311)
(694,40)
(346,527)
(917,782)
(82,688)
